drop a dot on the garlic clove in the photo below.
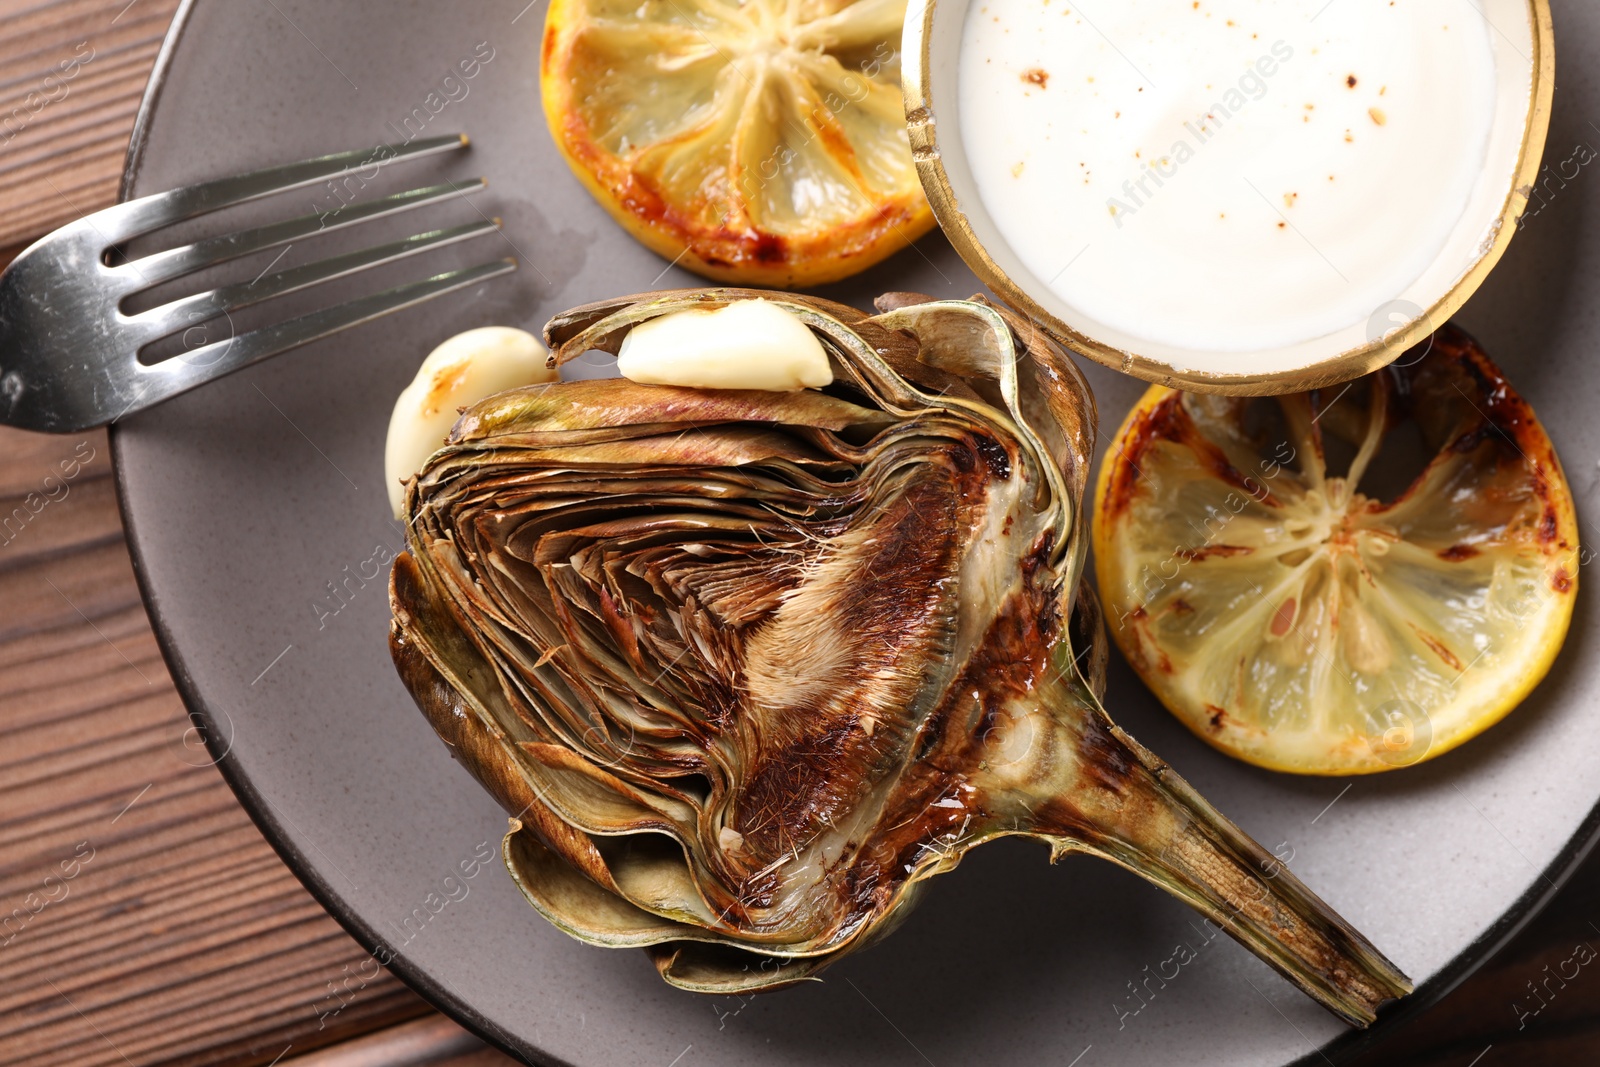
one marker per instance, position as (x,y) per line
(749,344)
(461,371)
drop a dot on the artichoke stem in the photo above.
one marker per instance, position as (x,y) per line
(1148,819)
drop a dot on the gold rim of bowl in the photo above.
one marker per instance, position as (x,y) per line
(925,150)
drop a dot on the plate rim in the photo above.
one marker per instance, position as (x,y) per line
(1339,1050)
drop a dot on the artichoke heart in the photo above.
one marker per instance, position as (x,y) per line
(748,668)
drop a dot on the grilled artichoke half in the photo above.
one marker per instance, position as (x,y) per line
(748,669)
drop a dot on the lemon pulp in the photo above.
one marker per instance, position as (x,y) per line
(760,142)
(1340,623)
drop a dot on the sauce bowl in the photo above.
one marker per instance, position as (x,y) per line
(1522,42)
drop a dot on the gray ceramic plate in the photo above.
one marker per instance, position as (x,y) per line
(251,502)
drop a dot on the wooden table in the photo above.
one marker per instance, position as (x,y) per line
(143,919)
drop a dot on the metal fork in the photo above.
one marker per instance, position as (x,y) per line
(69,354)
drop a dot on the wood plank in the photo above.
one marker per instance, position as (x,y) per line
(72,73)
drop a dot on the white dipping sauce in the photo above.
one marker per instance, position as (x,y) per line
(1227,175)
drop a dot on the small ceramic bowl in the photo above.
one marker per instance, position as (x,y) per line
(1523,39)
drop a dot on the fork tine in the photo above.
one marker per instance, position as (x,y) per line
(162,267)
(179,314)
(194,368)
(119,223)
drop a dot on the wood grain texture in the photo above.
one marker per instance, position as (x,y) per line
(71,76)
(143,919)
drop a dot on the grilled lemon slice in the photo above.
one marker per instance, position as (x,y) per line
(759,142)
(1340,623)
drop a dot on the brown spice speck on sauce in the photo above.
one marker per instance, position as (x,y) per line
(1035,76)
(1351,81)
